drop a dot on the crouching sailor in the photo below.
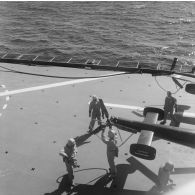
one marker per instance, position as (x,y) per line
(112,149)
(165,182)
(69,157)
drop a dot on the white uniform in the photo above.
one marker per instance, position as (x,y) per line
(164,175)
(69,157)
(112,151)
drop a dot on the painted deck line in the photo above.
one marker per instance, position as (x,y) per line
(124,106)
(7,98)
(176,76)
(4,106)
(18,91)
(183,114)
(186,114)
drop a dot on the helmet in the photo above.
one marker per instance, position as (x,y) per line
(71,142)
(94,97)
(168,93)
(169,166)
(111,133)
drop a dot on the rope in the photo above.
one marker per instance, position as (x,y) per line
(119,136)
(125,140)
(63,77)
(166,90)
(98,137)
(59,179)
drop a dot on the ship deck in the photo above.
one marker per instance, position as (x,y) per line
(39,114)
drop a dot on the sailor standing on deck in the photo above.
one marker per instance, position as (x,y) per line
(112,149)
(69,157)
(94,112)
(169,108)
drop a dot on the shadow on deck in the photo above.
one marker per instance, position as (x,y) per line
(116,185)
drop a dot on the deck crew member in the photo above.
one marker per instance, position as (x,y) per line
(169,108)
(69,157)
(112,149)
(94,112)
(164,179)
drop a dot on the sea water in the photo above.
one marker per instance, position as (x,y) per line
(153,32)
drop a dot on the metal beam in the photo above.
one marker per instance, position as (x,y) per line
(174,134)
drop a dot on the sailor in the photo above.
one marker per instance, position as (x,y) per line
(112,149)
(164,179)
(69,157)
(94,112)
(169,108)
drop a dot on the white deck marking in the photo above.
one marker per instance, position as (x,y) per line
(186,114)
(4,106)
(124,106)
(6,98)
(54,85)
(177,76)
(183,114)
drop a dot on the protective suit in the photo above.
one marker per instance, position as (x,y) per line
(164,176)
(94,112)
(169,108)
(112,149)
(69,157)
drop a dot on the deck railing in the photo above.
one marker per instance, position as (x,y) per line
(68,61)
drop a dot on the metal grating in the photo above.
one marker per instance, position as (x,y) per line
(90,62)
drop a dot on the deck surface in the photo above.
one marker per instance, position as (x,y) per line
(37,118)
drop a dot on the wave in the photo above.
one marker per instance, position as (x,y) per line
(180,21)
(185,20)
(185,44)
(29,41)
(140,6)
(3,48)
